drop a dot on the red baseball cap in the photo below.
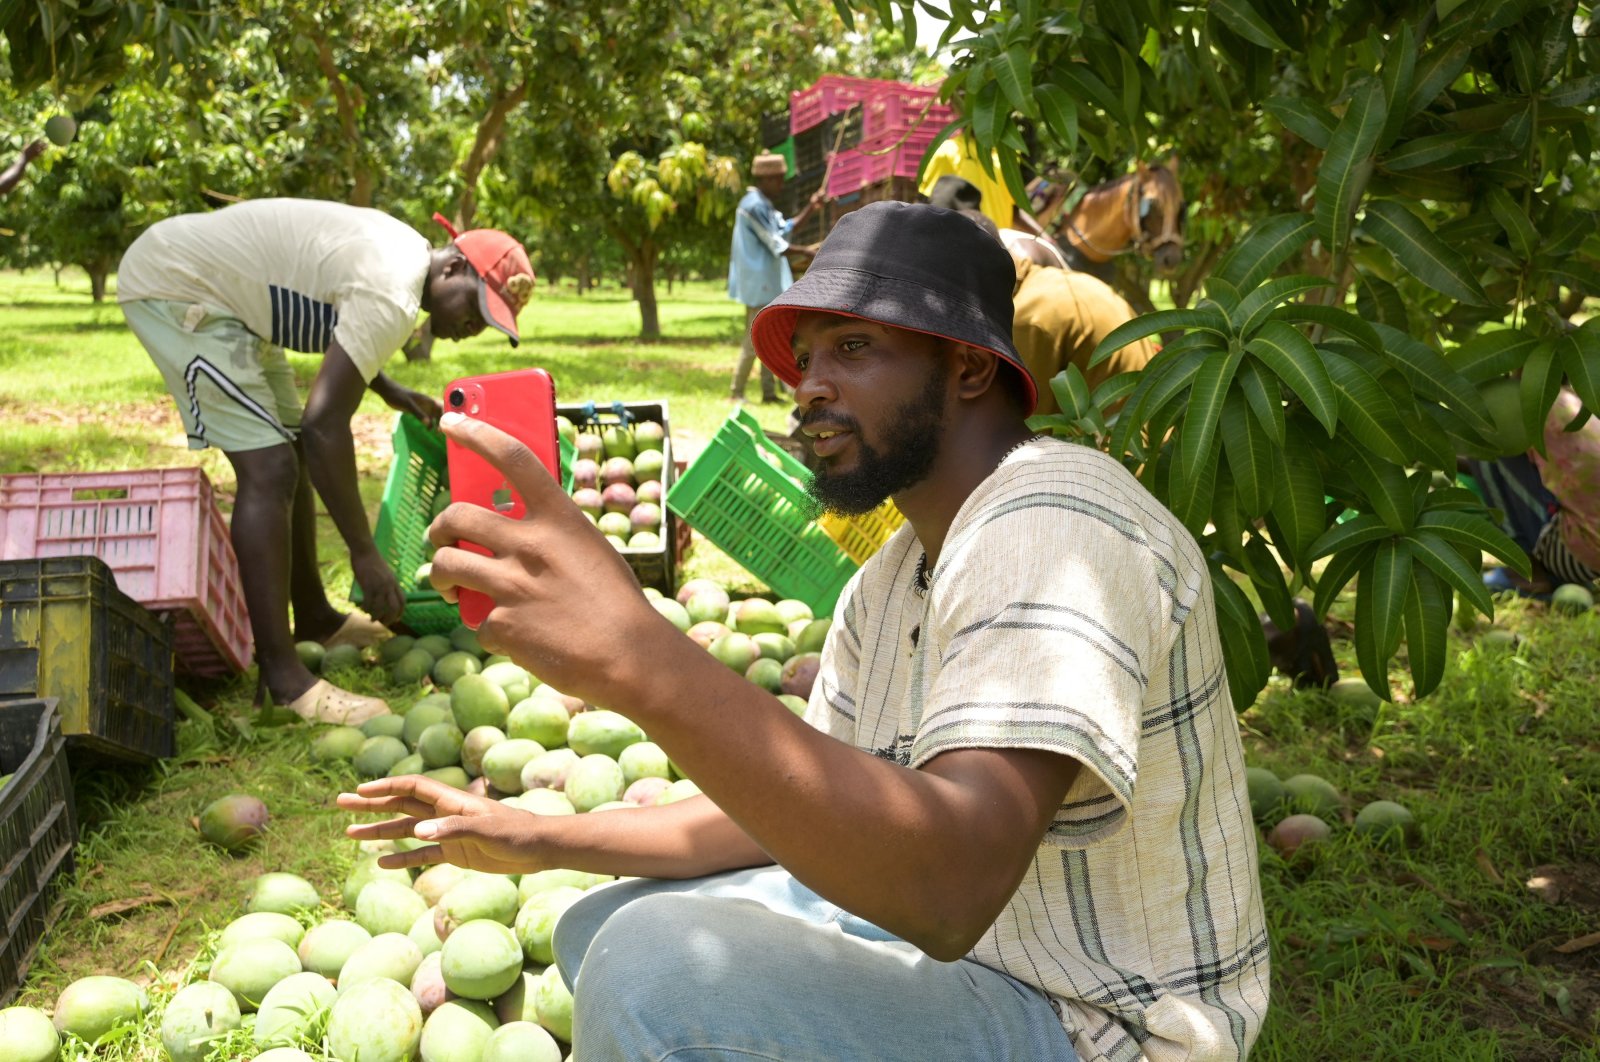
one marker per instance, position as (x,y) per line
(505,276)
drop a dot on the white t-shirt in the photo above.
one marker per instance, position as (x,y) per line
(1071,612)
(300,273)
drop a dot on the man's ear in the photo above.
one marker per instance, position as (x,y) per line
(977,370)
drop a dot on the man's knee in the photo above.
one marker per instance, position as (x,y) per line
(272,472)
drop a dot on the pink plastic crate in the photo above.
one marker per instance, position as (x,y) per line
(162,534)
(830,94)
(869,163)
(894,108)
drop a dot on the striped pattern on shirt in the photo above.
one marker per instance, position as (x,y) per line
(1069,611)
(300,322)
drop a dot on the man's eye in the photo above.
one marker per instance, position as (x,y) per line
(849,346)
(802,361)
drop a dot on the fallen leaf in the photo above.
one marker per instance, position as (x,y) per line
(1482,859)
(1588,940)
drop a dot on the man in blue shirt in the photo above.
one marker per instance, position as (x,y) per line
(758,270)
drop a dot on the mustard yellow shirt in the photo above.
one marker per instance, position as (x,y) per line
(958,156)
(1059,317)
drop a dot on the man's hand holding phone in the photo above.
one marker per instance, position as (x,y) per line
(566,604)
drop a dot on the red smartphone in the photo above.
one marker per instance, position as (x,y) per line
(521,404)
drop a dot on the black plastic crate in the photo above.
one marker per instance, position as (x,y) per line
(67,632)
(37,831)
(652,567)
(834,133)
(774,127)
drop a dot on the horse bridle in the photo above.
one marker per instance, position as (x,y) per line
(1134,207)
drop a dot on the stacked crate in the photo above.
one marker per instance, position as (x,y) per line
(865,138)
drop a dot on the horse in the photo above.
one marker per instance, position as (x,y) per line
(1140,212)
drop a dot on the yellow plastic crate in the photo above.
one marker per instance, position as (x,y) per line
(862,536)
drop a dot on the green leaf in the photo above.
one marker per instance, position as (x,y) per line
(1060,114)
(1305,118)
(1420,252)
(1469,529)
(846,15)
(1189,496)
(1219,291)
(1356,531)
(1262,567)
(1249,454)
(1541,382)
(1399,64)
(1082,84)
(1440,151)
(1242,18)
(1433,74)
(1367,410)
(1206,319)
(1431,376)
(1488,355)
(1012,172)
(986,119)
(1446,563)
(1580,358)
(1386,488)
(1256,307)
(1574,92)
(1337,575)
(1266,246)
(1297,506)
(1245,657)
(1427,616)
(1293,359)
(1225,517)
(1071,392)
(1342,177)
(1333,319)
(1013,70)
(1391,578)
(1373,661)
(1130,93)
(1168,373)
(1114,389)
(1380,302)
(1264,394)
(1512,218)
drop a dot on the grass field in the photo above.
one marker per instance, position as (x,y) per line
(1478,944)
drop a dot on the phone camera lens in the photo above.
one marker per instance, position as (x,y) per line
(458,398)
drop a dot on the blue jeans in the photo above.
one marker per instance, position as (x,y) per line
(753,965)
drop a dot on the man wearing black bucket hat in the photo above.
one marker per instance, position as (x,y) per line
(1013,824)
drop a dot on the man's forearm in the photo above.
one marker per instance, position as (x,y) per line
(330,453)
(907,850)
(687,839)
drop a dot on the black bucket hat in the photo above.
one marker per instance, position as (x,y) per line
(907,265)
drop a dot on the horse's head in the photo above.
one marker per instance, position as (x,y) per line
(1160,210)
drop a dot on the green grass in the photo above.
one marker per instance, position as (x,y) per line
(1442,952)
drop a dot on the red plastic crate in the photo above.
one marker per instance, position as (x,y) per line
(893,155)
(893,109)
(831,94)
(162,534)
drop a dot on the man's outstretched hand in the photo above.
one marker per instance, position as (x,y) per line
(538,568)
(469,831)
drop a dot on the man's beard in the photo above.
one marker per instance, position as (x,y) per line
(910,448)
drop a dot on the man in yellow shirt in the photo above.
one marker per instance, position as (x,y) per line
(1059,317)
(958,157)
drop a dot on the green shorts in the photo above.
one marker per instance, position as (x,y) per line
(234,390)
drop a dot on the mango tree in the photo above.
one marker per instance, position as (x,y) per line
(1418,213)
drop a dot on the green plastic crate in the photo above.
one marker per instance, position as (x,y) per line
(418,476)
(748,497)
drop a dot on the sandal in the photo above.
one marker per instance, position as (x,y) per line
(326,703)
(359,630)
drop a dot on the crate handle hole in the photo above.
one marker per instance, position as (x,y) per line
(99,493)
